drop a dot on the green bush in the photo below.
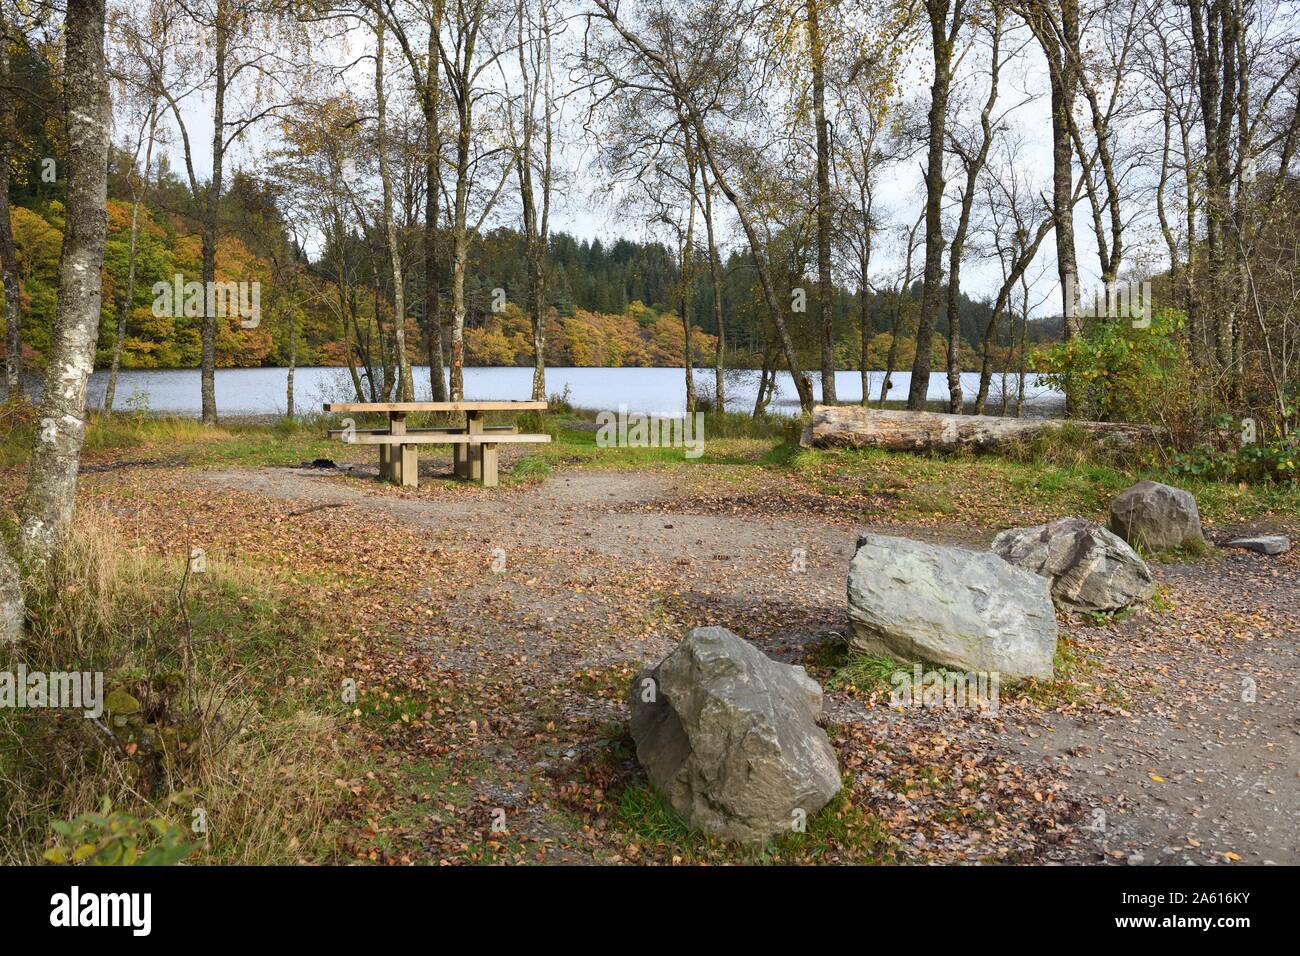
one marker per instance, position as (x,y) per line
(1274,459)
(109,838)
(1115,372)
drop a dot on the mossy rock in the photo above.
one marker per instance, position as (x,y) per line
(119,703)
(168,682)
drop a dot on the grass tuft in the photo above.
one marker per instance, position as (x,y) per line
(204,710)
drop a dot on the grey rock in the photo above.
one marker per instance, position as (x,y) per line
(1090,568)
(1156,517)
(730,737)
(1263,543)
(963,609)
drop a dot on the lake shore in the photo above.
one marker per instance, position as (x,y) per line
(260,393)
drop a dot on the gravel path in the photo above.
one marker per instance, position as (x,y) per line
(1199,762)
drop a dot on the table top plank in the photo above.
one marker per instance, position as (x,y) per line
(424,438)
(485,406)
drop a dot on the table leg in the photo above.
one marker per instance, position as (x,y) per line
(384,459)
(411,466)
(397,453)
(489,465)
(474,426)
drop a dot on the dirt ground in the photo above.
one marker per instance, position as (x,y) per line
(1181,746)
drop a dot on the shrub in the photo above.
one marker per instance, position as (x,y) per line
(109,838)
(560,403)
(1275,459)
(1115,372)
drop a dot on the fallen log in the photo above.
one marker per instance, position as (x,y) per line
(852,426)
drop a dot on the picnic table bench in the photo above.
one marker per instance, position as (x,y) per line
(474,446)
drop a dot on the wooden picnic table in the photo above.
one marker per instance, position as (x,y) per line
(474,447)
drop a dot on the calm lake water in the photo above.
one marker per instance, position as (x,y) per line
(261,391)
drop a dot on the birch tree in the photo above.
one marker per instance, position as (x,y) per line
(695,59)
(467,52)
(817,57)
(1050,20)
(13,313)
(56,451)
(405,387)
(140,42)
(972,152)
(11,596)
(426,70)
(946,19)
(533,144)
(245,54)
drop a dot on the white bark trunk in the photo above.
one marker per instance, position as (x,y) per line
(405,386)
(11,597)
(56,451)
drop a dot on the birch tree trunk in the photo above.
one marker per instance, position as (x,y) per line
(942,42)
(765,375)
(891,357)
(1063,82)
(825,285)
(433,189)
(8,255)
(459,256)
(11,597)
(535,70)
(292,317)
(974,166)
(715,277)
(208,331)
(864,337)
(293,365)
(56,451)
(460,242)
(686,298)
(405,388)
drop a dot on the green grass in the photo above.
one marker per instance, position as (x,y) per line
(530,469)
(843,668)
(931,500)
(854,671)
(170,439)
(235,711)
(1194,550)
(1059,472)
(642,816)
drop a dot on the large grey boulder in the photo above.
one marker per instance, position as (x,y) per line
(967,610)
(1156,517)
(1090,569)
(730,737)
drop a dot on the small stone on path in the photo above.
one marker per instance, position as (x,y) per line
(1263,543)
